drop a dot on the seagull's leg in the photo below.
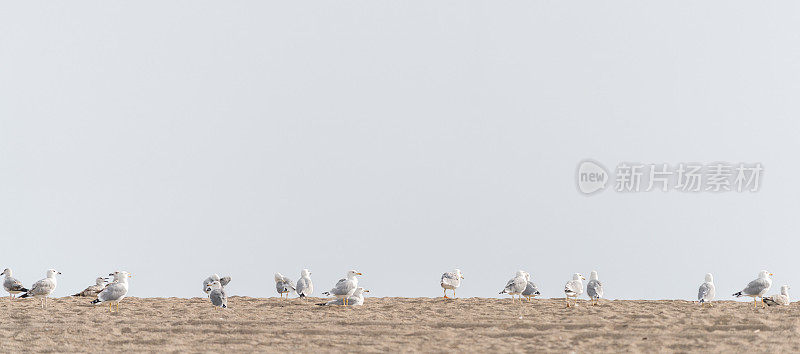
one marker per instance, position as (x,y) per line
(454,293)
(445,292)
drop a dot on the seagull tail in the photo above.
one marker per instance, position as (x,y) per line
(702,301)
(326,293)
(322,304)
(769,301)
(302,295)
(739,294)
(502,292)
(95,301)
(25,295)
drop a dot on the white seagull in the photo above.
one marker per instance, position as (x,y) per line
(43,288)
(345,288)
(304,286)
(11,284)
(531,290)
(283,285)
(217,295)
(114,292)
(778,299)
(574,287)
(594,288)
(451,280)
(516,285)
(757,288)
(707,291)
(357,299)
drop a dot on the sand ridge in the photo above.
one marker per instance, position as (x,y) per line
(396,324)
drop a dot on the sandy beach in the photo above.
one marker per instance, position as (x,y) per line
(395,324)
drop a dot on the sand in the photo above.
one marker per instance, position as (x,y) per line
(395,324)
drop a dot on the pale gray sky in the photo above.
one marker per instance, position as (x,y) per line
(402,139)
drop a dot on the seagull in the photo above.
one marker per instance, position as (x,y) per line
(757,288)
(594,288)
(451,280)
(357,299)
(531,290)
(214,277)
(574,287)
(114,292)
(217,295)
(304,286)
(516,285)
(779,299)
(43,288)
(345,288)
(283,285)
(93,290)
(12,285)
(707,291)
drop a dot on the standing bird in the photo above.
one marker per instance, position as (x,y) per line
(217,295)
(574,287)
(531,290)
(594,288)
(757,288)
(43,288)
(93,290)
(345,288)
(707,291)
(304,286)
(451,280)
(778,299)
(214,277)
(516,285)
(357,299)
(283,285)
(12,285)
(114,292)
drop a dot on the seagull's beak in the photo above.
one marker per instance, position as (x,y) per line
(130,275)
(770,274)
(359,274)
(583,277)
(366,291)
(462,277)
(111,274)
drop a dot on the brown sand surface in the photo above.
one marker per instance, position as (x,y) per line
(395,324)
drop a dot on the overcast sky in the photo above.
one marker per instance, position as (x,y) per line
(398,138)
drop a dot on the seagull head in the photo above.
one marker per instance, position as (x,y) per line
(521,273)
(764,274)
(578,276)
(214,276)
(51,273)
(120,275)
(593,275)
(785,290)
(458,274)
(305,273)
(278,277)
(352,273)
(709,278)
(6,272)
(100,281)
(214,285)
